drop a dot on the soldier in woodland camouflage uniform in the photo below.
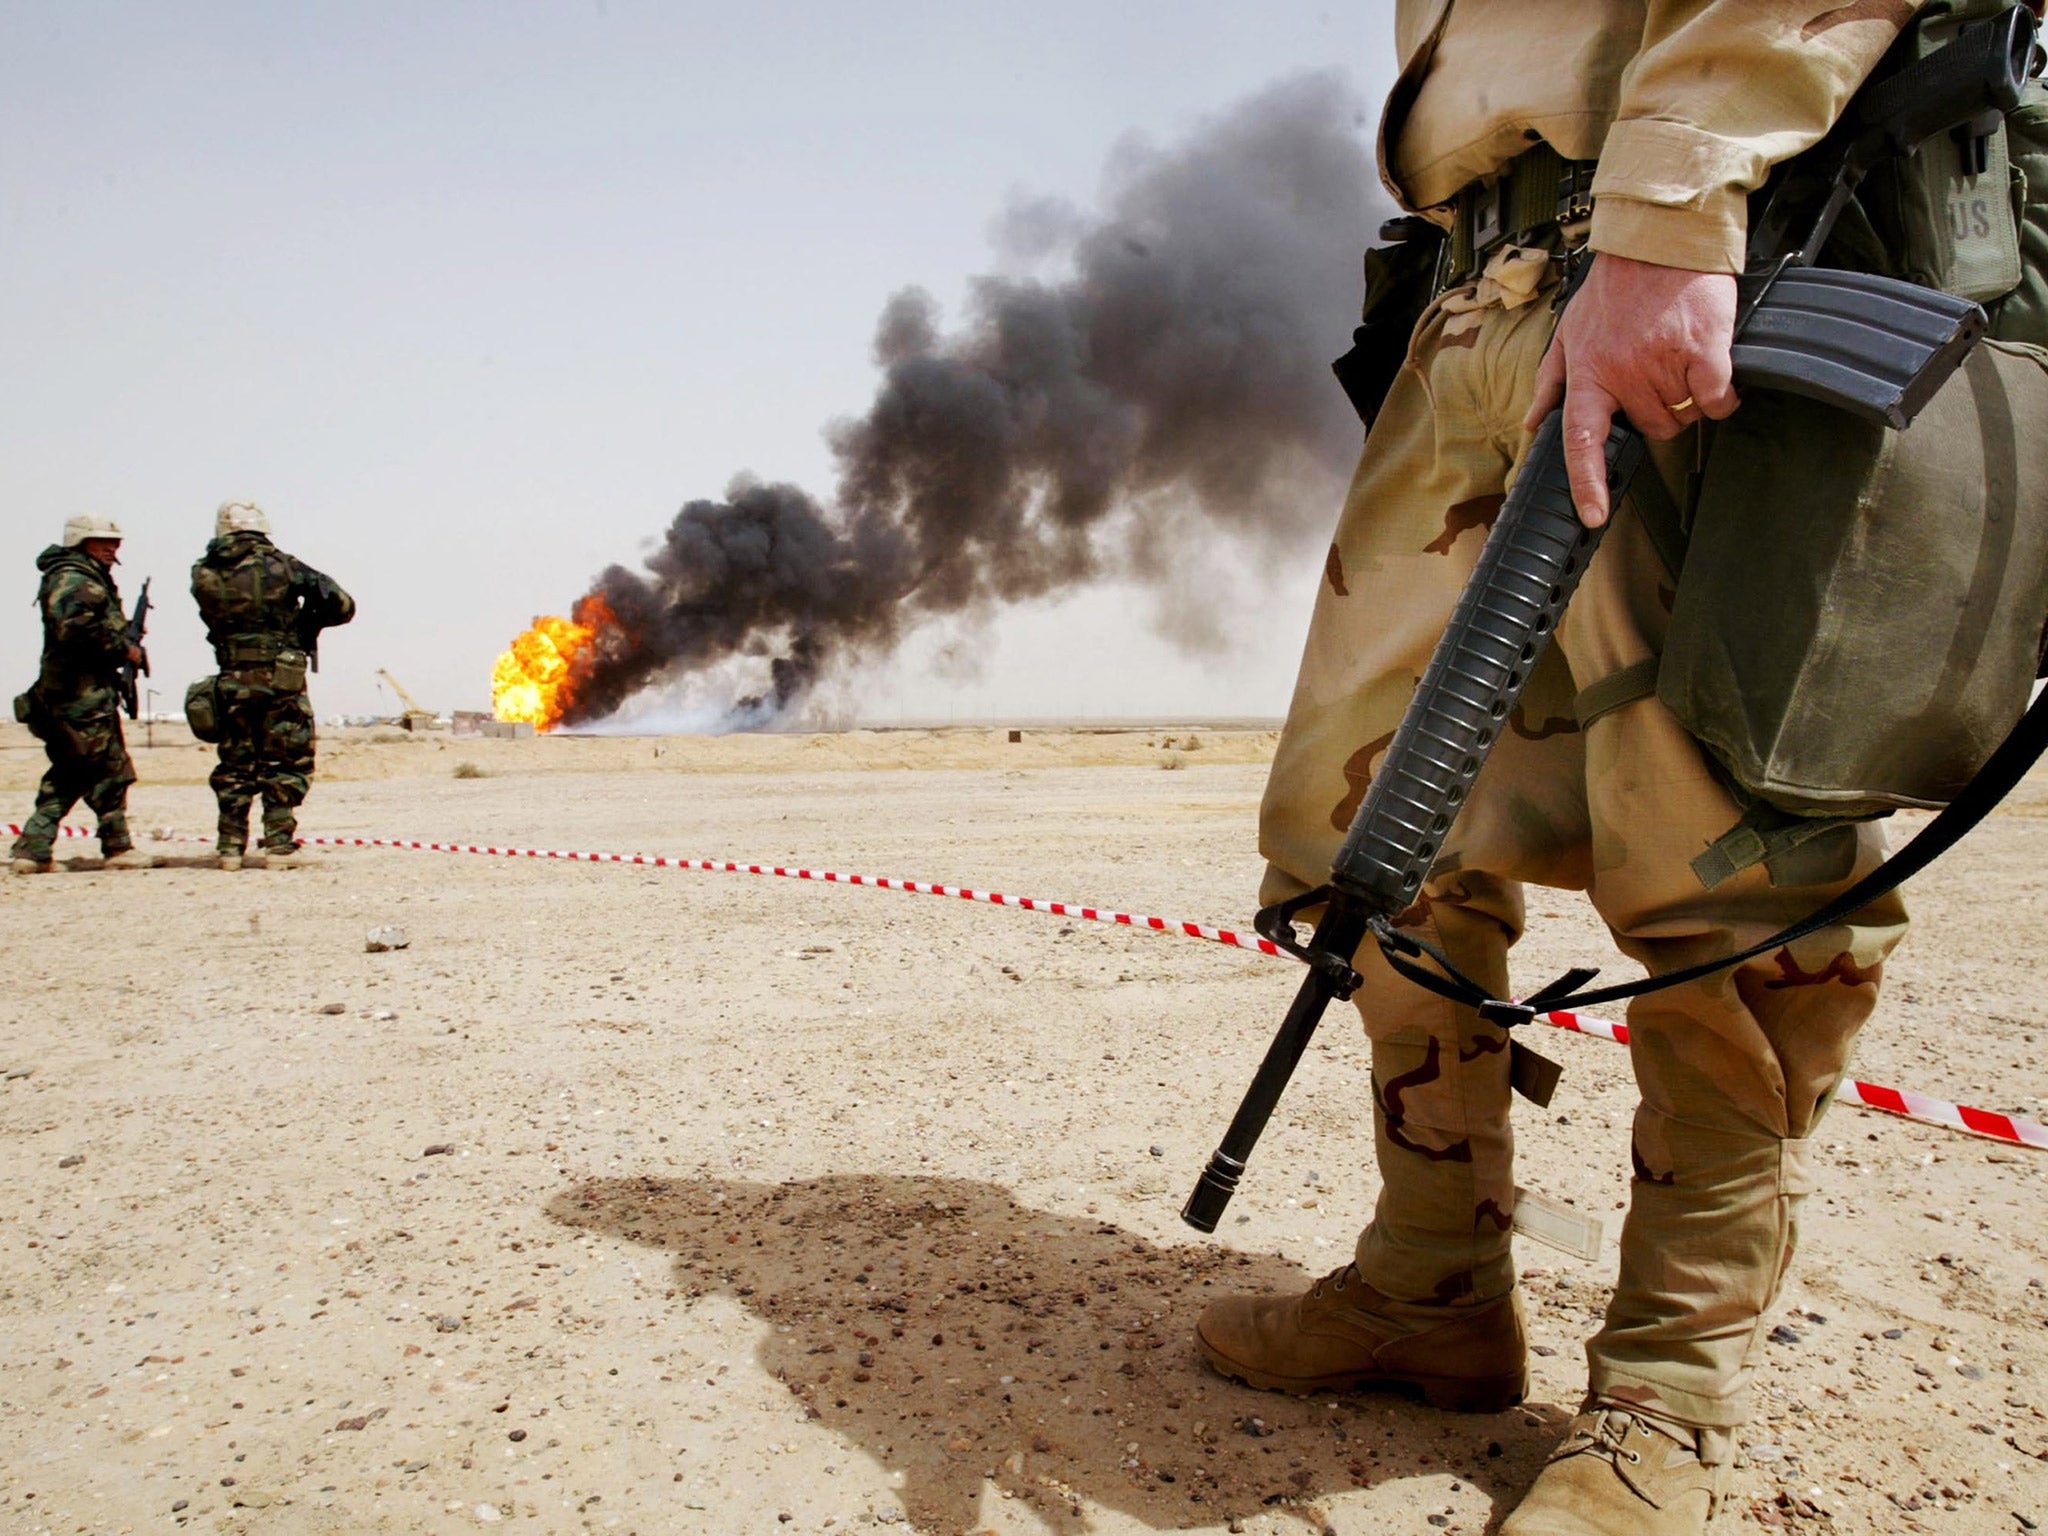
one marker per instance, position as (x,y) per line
(73,706)
(1596,787)
(263,610)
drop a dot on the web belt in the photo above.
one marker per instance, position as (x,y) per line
(1538,189)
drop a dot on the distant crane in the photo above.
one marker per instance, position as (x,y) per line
(414,718)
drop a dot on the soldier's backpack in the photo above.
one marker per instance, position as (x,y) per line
(28,710)
(1860,613)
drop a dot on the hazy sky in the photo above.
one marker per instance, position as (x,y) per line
(472,297)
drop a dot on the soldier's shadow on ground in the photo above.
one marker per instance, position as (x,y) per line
(959,1337)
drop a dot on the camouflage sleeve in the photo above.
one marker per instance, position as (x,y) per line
(84,619)
(1721,91)
(321,599)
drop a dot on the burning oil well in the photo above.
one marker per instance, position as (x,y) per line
(1171,386)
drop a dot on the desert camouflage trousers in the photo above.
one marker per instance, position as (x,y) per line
(266,751)
(1734,1071)
(88,761)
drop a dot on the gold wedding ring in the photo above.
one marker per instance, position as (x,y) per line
(1679,405)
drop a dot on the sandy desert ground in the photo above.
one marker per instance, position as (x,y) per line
(651,1201)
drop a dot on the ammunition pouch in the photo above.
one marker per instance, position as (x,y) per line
(1950,216)
(202,709)
(2022,315)
(264,662)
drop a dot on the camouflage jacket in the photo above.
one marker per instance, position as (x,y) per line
(257,600)
(1687,104)
(85,633)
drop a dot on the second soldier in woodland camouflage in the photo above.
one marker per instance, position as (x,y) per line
(72,706)
(264,611)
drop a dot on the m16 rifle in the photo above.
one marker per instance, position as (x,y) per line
(126,672)
(1875,346)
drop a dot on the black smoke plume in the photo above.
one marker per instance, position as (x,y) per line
(1174,383)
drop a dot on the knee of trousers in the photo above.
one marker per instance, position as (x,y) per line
(1447,1085)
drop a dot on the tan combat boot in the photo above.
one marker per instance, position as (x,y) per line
(128,858)
(1618,1473)
(35,866)
(231,862)
(1340,1336)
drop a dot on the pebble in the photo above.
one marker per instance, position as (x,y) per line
(439,1149)
(379,940)
(1895,1333)
(516,1435)
(447,1324)
(1784,1335)
(333,1010)
(1158,1151)
(488,1512)
(72,1161)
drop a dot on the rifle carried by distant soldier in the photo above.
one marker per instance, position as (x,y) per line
(135,666)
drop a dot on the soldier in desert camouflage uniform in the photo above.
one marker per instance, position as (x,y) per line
(73,707)
(1596,787)
(263,610)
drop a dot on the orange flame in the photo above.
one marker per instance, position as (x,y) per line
(535,680)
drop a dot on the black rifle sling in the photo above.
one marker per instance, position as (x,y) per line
(2001,772)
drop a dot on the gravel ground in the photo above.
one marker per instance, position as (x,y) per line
(674,1202)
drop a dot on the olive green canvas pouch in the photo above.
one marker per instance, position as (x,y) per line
(1860,613)
(2022,315)
(202,709)
(1948,214)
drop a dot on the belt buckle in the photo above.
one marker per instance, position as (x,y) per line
(1575,192)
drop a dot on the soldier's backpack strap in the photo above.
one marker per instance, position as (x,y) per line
(1636,681)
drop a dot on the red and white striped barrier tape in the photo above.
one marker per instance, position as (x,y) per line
(1891,1101)
(1902,1102)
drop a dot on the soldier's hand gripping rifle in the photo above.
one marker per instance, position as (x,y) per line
(1874,346)
(126,671)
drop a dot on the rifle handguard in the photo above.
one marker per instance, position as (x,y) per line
(1503,621)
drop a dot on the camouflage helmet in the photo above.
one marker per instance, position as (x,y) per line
(89,525)
(239,517)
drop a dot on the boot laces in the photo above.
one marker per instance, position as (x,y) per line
(1337,1280)
(1609,1436)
